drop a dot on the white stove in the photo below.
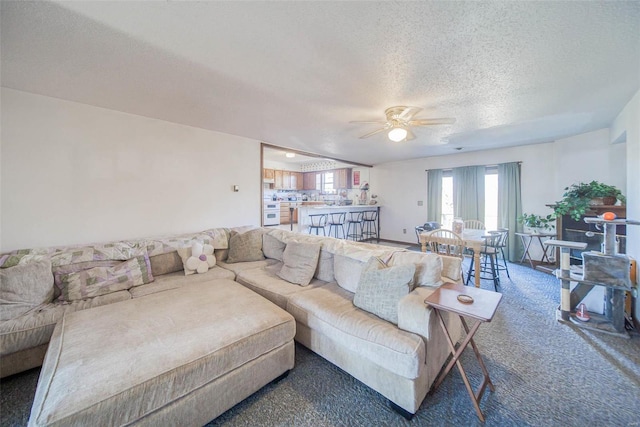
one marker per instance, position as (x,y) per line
(271,213)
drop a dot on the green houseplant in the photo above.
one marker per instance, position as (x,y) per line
(577,198)
(537,222)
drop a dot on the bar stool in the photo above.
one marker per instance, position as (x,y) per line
(336,222)
(354,219)
(488,268)
(318,221)
(502,243)
(370,225)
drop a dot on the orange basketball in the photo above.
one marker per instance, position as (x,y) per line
(608,216)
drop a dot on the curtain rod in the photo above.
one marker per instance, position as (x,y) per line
(486,166)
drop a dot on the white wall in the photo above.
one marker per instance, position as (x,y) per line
(73,173)
(546,170)
(628,122)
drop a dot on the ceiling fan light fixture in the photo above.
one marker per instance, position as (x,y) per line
(397,134)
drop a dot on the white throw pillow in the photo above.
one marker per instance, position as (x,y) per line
(428,266)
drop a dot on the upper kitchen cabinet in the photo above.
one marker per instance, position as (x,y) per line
(309,181)
(278,179)
(297,181)
(286,180)
(342,178)
(268,174)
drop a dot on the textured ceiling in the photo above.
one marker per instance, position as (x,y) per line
(294,74)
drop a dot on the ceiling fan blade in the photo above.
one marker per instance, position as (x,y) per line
(409,112)
(410,135)
(429,122)
(373,133)
(379,122)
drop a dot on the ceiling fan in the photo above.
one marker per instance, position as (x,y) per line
(400,120)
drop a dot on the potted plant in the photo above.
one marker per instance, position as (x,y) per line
(577,198)
(537,223)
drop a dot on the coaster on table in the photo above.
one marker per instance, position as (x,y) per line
(465,299)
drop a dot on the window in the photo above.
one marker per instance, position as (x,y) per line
(490,196)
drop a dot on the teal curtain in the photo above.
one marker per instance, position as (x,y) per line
(468,192)
(510,206)
(434,195)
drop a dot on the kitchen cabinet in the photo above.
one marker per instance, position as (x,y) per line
(268,174)
(285,215)
(278,179)
(297,181)
(309,181)
(342,178)
(286,180)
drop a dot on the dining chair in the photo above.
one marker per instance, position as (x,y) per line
(446,242)
(474,224)
(488,268)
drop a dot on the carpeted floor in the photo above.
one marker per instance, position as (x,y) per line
(545,373)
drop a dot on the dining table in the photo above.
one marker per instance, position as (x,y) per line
(471,239)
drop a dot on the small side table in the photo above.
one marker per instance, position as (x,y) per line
(482,309)
(527,238)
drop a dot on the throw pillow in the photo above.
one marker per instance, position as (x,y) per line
(324,271)
(347,272)
(246,247)
(197,258)
(300,262)
(381,289)
(272,247)
(24,287)
(104,280)
(428,267)
(166,263)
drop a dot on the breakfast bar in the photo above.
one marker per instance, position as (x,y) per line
(304,213)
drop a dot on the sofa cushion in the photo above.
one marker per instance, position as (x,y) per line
(192,337)
(166,263)
(266,282)
(272,247)
(178,279)
(242,266)
(35,327)
(24,287)
(103,280)
(329,310)
(381,288)
(428,267)
(300,262)
(245,247)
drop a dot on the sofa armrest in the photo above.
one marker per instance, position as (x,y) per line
(416,316)
(451,269)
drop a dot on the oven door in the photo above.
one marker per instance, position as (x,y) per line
(271,217)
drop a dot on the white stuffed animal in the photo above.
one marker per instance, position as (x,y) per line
(201,259)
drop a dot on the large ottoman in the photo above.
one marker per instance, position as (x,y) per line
(180,357)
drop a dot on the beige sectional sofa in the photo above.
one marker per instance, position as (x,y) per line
(400,358)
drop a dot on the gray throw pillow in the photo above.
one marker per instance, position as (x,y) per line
(24,287)
(246,247)
(347,272)
(300,262)
(381,289)
(272,247)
